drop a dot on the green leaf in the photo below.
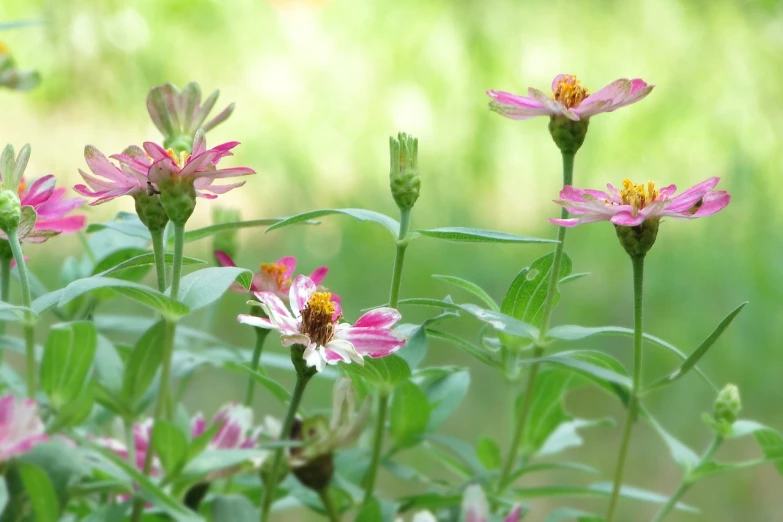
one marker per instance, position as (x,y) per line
(445,389)
(712,468)
(471,349)
(566,435)
(697,354)
(143,364)
(445,304)
(416,336)
(370,512)
(771,443)
(201,233)
(171,446)
(527,293)
(234,508)
(213,460)
(547,408)
(118,257)
(67,360)
(593,371)
(384,373)
(357,213)
(125,223)
(570,515)
(575,333)
(41,493)
(15,313)
(64,465)
(429,501)
(600,490)
(205,286)
(409,414)
(145,295)
(641,495)
(144,260)
(473,288)
(477,235)
(464,451)
(47,301)
(501,322)
(685,457)
(3,494)
(73,412)
(551,466)
(488,452)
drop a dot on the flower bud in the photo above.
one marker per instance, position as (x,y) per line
(10,210)
(727,405)
(178,143)
(150,211)
(226,240)
(567,134)
(638,240)
(178,197)
(404,178)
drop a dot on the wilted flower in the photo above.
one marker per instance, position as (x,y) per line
(569,99)
(275,277)
(178,115)
(13,77)
(315,325)
(109,181)
(20,426)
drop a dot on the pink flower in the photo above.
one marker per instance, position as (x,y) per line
(20,426)
(636,203)
(275,277)
(51,208)
(200,166)
(315,324)
(569,99)
(236,427)
(476,509)
(109,181)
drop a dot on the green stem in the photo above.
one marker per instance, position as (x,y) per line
(293,407)
(159,251)
(179,250)
(261,334)
(331,512)
(546,316)
(383,397)
(27,300)
(5,285)
(633,405)
(686,482)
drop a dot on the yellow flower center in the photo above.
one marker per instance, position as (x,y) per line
(22,187)
(638,196)
(569,91)
(4,50)
(277,272)
(178,160)
(317,315)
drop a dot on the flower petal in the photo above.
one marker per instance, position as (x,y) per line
(301,290)
(373,342)
(378,318)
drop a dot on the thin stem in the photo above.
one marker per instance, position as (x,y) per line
(686,482)
(377,446)
(5,285)
(633,405)
(546,316)
(27,300)
(261,334)
(331,511)
(383,397)
(179,250)
(293,407)
(159,251)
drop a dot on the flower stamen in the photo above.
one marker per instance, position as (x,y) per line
(638,196)
(318,318)
(181,159)
(278,272)
(569,91)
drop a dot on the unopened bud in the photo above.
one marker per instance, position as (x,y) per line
(567,134)
(404,178)
(178,197)
(638,240)
(728,404)
(150,211)
(10,210)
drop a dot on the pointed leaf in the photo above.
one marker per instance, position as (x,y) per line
(201,233)
(526,295)
(40,492)
(361,214)
(203,287)
(142,294)
(68,355)
(476,235)
(126,223)
(685,457)
(488,452)
(236,508)
(170,444)
(478,352)
(473,288)
(145,260)
(503,323)
(384,372)
(143,363)
(571,360)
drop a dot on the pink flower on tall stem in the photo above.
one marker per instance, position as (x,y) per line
(634,204)
(569,99)
(109,181)
(200,166)
(20,426)
(51,208)
(275,277)
(314,322)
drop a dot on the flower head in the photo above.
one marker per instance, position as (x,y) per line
(51,207)
(20,426)
(314,322)
(108,180)
(634,204)
(276,277)
(569,99)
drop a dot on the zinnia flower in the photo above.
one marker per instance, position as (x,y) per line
(275,277)
(314,322)
(109,181)
(51,208)
(20,426)
(635,204)
(569,98)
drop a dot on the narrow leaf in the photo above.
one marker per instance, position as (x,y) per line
(473,288)
(201,233)
(146,259)
(67,360)
(140,293)
(40,492)
(143,364)
(476,235)
(170,444)
(357,213)
(526,295)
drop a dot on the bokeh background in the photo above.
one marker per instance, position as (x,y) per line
(319,87)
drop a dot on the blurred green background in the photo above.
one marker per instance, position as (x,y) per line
(319,87)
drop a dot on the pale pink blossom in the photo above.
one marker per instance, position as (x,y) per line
(51,207)
(20,426)
(633,204)
(314,322)
(109,181)
(569,99)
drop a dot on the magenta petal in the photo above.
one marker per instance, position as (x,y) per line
(301,290)
(626,219)
(713,202)
(224,259)
(378,318)
(289,262)
(319,274)
(571,222)
(67,224)
(374,342)
(197,425)
(515,515)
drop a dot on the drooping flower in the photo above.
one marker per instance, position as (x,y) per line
(108,180)
(20,426)
(569,99)
(275,277)
(634,204)
(314,322)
